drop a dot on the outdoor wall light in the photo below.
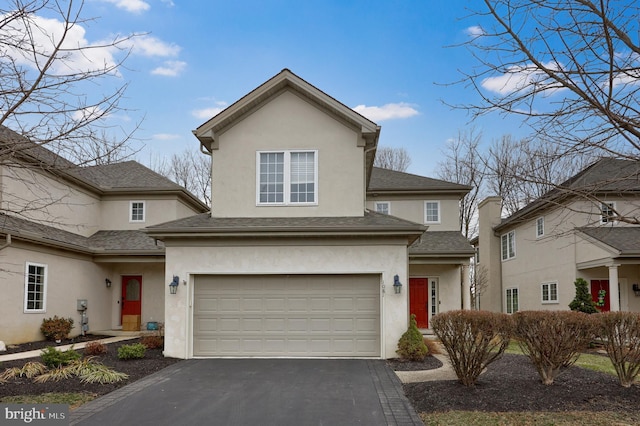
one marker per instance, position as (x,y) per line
(397,285)
(107,281)
(173,285)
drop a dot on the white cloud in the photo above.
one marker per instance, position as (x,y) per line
(475,31)
(387,112)
(518,78)
(170,69)
(133,6)
(87,114)
(207,113)
(166,136)
(152,46)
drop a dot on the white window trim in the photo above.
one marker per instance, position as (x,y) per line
(44,288)
(550,301)
(612,205)
(506,308)
(439,211)
(514,246)
(388,203)
(540,235)
(144,211)
(287,178)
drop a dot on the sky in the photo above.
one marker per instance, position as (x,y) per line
(392,61)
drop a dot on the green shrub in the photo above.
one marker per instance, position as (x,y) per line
(553,339)
(56,328)
(52,357)
(134,351)
(583,301)
(153,342)
(621,334)
(94,348)
(411,345)
(472,339)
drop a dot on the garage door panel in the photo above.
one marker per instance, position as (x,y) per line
(287,316)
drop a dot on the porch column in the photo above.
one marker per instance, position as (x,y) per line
(466,288)
(614,289)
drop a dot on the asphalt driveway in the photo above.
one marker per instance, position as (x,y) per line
(257,392)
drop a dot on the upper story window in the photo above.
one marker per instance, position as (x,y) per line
(508,243)
(432,211)
(136,211)
(539,227)
(35,287)
(287,177)
(550,292)
(383,207)
(607,212)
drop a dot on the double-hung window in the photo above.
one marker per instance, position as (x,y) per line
(136,211)
(35,287)
(550,292)
(607,212)
(512,300)
(540,227)
(287,178)
(383,207)
(432,211)
(508,243)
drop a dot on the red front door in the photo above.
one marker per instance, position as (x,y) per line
(418,299)
(131,295)
(600,294)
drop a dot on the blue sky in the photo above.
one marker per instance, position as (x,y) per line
(384,58)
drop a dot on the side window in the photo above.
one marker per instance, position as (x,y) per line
(35,287)
(550,292)
(432,211)
(383,207)
(508,243)
(512,300)
(539,227)
(136,211)
(607,212)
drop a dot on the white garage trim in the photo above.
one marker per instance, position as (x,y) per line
(286,316)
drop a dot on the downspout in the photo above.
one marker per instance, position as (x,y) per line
(366,151)
(7,243)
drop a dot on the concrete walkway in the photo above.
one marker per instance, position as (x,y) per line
(36,353)
(443,373)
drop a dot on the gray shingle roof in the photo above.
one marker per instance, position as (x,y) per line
(124,175)
(391,180)
(625,239)
(370,222)
(441,243)
(100,242)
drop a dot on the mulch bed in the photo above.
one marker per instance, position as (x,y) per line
(31,346)
(153,361)
(513,384)
(430,363)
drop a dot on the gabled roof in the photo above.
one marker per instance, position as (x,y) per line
(132,242)
(441,243)
(125,175)
(624,239)
(384,181)
(607,176)
(203,225)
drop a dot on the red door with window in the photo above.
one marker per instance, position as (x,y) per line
(418,300)
(131,295)
(600,294)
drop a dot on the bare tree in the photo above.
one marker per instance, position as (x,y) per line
(463,164)
(569,69)
(397,159)
(190,169)
(479,283)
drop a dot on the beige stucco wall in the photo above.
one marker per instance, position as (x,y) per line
(59,204)
(413,208)
(116,211)
(489,249)
(342,257)
(288,122)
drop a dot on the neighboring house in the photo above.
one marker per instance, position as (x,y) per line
(74,234)
(533,257)
(308,250)
(297,258)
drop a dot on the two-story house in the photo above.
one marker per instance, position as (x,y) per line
(71,234)
(308,250)
(533,257)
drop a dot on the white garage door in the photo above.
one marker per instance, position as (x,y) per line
(287,315)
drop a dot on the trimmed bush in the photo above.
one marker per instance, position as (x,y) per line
(473,340)
(134,351)
(56,328)
(583,301)
(621,334)
(153,342)
(95,348)
(411,345)
(53,358)
(553,339)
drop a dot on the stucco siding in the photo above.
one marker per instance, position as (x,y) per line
(386,260)
(116,211)
(413,208)
(288,122)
